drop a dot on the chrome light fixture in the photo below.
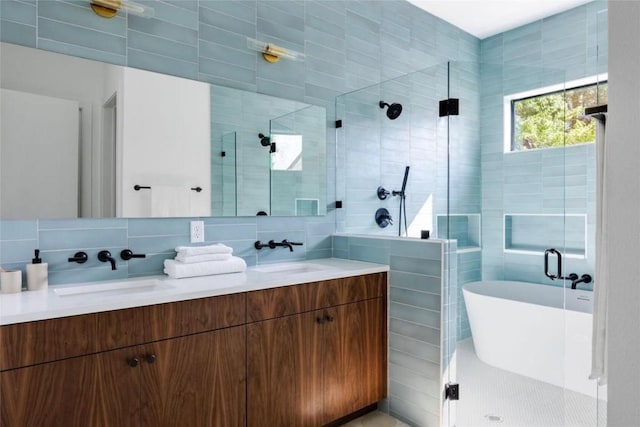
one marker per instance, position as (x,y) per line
(110,8)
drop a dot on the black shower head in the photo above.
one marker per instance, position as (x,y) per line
(265,141)
(393,111)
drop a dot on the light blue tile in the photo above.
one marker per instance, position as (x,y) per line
(414,315)
(161,46)
(226,71)
(416,265)
(182,13)
(82,239)
(18,230)
(82,52)
(223,37)
(80,14)
(417,282)
(18,12)
(81,224)
(165,30)
(158,245)
(416,299)
(17,251)
(227,22)
(420,366)
(159,227)
(369,254)
(416,249)
(411,378)
(81,36)
(239,57)
(24,35)
(284,224)
(217,233)
(162,64)
(240,9)
(152,264)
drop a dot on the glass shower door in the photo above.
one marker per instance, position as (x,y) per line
(513,183)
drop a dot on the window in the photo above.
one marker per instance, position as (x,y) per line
(288,154)
(555,118)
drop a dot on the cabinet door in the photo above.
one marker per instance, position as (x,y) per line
(354,357)
(284,368)
(197,380)
(97,390)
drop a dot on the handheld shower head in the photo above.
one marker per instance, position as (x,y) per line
(393,110)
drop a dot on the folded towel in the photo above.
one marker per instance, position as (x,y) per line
(190,259)
(178,270)
(218,248)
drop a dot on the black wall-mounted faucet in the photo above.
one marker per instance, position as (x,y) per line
(105,256)
(585,278)
(273,244)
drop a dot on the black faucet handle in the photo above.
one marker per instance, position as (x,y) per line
(272,244)
(127,254)
(79,257)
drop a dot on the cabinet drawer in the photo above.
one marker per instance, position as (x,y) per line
(176,319)
(287,300)
(30,343)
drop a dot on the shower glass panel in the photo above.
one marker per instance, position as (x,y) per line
(385,128)
(227,204)
(517,189)
(297,170)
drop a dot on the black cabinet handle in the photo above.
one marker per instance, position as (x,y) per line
(150,358)
(79,257)
(127,254)
(329,318)
(133,362)
(320,319)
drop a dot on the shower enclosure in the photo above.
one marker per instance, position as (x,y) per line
(499,208)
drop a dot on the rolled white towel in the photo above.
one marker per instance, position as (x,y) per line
(218,248)
(178,270)
(190,259)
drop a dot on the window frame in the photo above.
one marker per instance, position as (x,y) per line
(509,105)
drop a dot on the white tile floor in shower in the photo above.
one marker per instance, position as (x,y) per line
(493,397)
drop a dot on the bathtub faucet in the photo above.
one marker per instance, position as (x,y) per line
(585,278)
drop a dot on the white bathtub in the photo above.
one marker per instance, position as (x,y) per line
(531,330)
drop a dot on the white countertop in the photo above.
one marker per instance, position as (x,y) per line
(28,306)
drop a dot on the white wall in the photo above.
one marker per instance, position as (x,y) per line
(623,213)
(44,73)
(165,144)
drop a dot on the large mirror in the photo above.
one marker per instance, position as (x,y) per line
(80,138)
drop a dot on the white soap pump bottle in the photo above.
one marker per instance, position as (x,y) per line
(37,273)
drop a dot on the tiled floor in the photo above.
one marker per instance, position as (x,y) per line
(493,397)
(376,419)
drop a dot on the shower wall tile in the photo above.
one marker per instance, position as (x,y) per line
(546,181)
(418,292)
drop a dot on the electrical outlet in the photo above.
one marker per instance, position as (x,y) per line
(197,231)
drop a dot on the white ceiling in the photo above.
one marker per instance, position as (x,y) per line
(484,18)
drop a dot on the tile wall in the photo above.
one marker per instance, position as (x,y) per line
(570,46)
(348,45)
(420,314)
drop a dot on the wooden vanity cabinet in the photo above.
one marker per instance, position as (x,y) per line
(193,374)
(302,355)
(314,367)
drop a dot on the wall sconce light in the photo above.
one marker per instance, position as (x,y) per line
(109,8)
(272,53)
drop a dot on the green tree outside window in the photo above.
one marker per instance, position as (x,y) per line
(556,119)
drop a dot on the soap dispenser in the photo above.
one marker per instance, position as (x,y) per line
(37,273)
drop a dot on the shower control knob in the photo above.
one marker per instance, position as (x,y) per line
(383,218)
(382,193)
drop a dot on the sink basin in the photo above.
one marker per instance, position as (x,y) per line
(289,268)
(114,288)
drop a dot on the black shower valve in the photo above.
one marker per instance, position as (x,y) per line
(382,193)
